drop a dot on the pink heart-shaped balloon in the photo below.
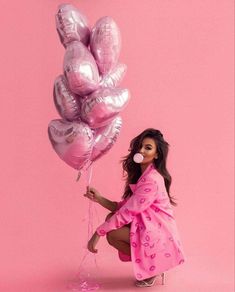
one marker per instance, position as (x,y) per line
(71,25)
(114,77)
(105,44)
(80,69)
(66,102)
(72,141)
(105,138)
(103,105)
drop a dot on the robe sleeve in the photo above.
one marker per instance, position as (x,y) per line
(144,195)
(121,203)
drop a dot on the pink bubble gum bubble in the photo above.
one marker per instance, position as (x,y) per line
(138,158)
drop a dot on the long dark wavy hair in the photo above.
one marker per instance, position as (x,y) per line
(132,170)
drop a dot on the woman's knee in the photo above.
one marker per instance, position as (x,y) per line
(110,238)
(113,236)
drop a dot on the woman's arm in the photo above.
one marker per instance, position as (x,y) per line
(145,194)
(107,204)
(95,196)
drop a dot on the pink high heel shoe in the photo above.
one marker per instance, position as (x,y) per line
(151,282)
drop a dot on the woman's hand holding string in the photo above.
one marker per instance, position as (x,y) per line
(93,194)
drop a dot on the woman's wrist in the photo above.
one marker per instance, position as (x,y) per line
(99,199)
(97,235)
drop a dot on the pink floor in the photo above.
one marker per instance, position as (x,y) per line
(197,275)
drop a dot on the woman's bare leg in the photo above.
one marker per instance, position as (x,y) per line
(119,238)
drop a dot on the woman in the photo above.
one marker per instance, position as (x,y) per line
(142,226)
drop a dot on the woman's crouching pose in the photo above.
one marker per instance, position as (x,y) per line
(142,226)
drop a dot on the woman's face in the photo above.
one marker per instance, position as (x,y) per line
(148,150)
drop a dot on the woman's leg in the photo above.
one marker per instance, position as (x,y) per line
(119,238)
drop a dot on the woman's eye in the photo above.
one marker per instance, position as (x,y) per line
(148,148)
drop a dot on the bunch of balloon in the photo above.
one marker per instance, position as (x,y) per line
(87,95)
(88,99)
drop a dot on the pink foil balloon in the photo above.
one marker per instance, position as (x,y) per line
(99,108)
(66,102)
(114,78)
(80,69)
(72,141)
(71,25)
(105,44)
(105,137)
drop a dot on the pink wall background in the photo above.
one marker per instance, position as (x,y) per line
(180,73)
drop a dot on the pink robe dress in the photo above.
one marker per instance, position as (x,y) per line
(154,239)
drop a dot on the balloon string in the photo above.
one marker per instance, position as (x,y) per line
(83,259)
(90,209)
(90,217)
(89,175)
(97,215)
(85,283)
